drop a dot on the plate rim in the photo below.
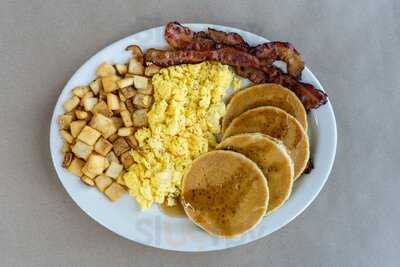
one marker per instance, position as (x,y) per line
(330,158)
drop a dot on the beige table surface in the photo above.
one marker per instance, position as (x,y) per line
(352,47)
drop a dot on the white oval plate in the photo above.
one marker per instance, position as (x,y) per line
(154,228)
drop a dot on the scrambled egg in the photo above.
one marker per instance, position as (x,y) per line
(183,123)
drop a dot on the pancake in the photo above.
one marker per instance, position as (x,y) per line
(224,193)
(272,158)
(279,124)
(267,94)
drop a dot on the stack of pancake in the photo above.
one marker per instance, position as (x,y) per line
(264,148)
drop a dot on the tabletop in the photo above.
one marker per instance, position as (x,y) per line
(351,46)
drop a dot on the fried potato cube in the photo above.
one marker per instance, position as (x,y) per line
(88,173)
(111,157)
(106,163)
(142,101)
(137,53)
(96,86)
(96,163)
(131,140)
(151,70)
(112,102)
(147,91)
(120,146)
(102,95)
(121,96)
(135,67)
(126,118)
(87,180)
(82,150)
(129,105)
(71,103)
(129,75)
(120,179)
(125,82)
(127,159)
(76,167)
(128,92)
(81,115)
(80,91)
(118,123)
(114,170)
(65,148)
(122,69)
(102,108)
(102,182)
(71,113)
(67,136)
(139,118)
(126,131)
(67,159)
(89,135)
(103,146)
(122,107)
(104,70)
(64,121)
(89,103)
(140,82)
(103,124)
(76,127)
(109,84)
(114,191)
(113,137)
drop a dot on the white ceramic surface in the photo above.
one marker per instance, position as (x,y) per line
(154,228)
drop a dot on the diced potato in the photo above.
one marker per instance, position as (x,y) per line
(80,91)
(131,140)
(96,163)
(122,106)
(111,157)
(102,182)
(103,124)
(129,105)
(139,118)
(64,121)
(126,118)
(129,75)
(142,101)
(67,159)
(81,115)
(102,108)
(137,53)
(89,103)
(89,135)
(112,101)
(120,146)
(120,178)
(127,159)
(87,180)
(107,163)
(113,137)
(151,70)
(122,69)
(102,95)
(128,92)
(125,82)
(121,96)
(147,91)
(67,136)
(140,82)
(104,70)
(109,84)
(114,170)
(118,123)
(76,127)
(71,103)
(103,146)
(82,150)
(125,131)
(88,173)
(76,167)
(95,86)
(135,67)
(65,148)
(71,113)
(114,191)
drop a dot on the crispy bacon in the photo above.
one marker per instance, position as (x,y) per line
(228,38)
(254,75)
(281,51)
(181,37)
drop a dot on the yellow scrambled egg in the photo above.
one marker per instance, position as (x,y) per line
(183,123)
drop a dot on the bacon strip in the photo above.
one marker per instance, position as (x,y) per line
(228,38)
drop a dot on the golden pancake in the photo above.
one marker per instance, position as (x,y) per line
(225,193)
(267,94)
(274,161)
(279,124)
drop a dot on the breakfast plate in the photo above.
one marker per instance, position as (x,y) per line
(153,227)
